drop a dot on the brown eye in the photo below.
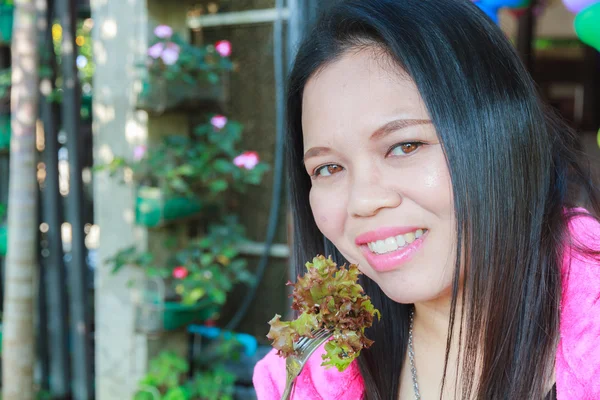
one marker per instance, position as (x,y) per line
(404,149)
(327,170)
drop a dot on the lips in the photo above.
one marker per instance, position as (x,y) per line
(394,259)
(384,233)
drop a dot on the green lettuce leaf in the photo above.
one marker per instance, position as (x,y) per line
(327,297)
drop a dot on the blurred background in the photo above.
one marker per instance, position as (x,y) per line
(161,223)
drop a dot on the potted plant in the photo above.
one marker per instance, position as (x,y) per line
(193,284)
(7,9)
(177,74)
(181,176)
(168,377)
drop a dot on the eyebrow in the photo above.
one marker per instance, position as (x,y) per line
(383,131)
(396,125)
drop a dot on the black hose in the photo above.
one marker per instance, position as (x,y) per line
(277,171)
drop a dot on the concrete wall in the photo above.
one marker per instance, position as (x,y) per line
(120,41)
(555,22)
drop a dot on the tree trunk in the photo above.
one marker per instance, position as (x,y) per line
(18,356)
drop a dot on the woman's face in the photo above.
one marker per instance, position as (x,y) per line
(381,189)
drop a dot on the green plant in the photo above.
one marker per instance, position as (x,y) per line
(167,376)
(210,266)
(217,384)
(172,58)
(206,269)
(205,165)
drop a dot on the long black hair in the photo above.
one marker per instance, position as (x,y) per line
(514,169)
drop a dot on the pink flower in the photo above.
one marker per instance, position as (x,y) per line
(219,121)
(163,31)
(223,47)
(180,272)
(247,160)
(170,55)
(156,50)
(138,152)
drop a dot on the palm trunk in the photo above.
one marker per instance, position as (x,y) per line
(18,356)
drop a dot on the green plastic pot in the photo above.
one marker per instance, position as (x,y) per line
(153,208)
(157,316)
(6,22)
(177,315)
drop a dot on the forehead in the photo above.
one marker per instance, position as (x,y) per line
(356,93)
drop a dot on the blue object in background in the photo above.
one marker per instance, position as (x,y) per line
(211,332)
(497,4)
(490,10)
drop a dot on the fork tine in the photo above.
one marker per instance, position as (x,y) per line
(305,341)
(316,340)
(300,343)
(310,348)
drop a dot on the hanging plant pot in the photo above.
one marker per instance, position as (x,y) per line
(3,240)
(159,95)
(5,130)
(153,208)
(154,315)
(6,23)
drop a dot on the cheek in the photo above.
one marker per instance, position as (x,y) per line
(435,192)
(329,215)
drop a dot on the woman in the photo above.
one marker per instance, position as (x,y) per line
(419,150)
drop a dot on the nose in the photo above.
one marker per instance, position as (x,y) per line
(371,195)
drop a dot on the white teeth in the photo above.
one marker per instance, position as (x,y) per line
(400,240)
(393,243)
(390,244)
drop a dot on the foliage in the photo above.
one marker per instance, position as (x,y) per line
(174,59)
(202,165)
(207,268)
(327,297)
(167,378)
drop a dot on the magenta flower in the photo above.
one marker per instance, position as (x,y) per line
(156,50)
(138,152)
(223,47)
(180,272)
(170,55)
(218,121)
(163,31)
(247,160)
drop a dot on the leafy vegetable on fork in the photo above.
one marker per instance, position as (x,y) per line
(327,297)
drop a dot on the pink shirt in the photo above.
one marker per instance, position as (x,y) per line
(577,356)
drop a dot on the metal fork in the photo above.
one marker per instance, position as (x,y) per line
(304,349)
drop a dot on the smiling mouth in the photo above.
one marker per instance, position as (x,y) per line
(394,243)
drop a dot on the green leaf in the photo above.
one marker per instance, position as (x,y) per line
(219,296)
(219,185)
(178,393)
(195,295)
